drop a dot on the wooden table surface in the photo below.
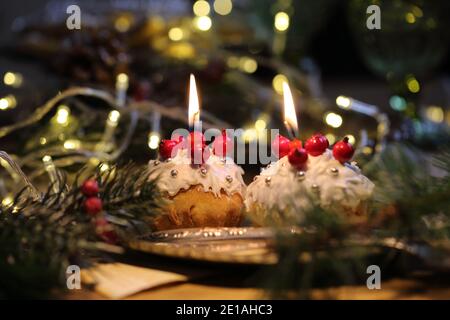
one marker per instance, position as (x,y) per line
(231,287)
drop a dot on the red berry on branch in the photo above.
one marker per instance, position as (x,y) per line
(93,205)
(90,188)
(343,151)
(167,148)
(316,145)
(281,146)
(222,145)
(297,157)
(199,154)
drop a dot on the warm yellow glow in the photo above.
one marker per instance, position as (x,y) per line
(42,140)
(194,106)
(223,7)
(153,140)
(331,138)
(72,144)
(367,150)
(250,135)
(233,62)
(114,117)
(413,85)
(278,81)
(435,114)
(343,102)
(122,80)
(203,23)
(12,79)
(104,167)
(176,34)
(290,117)
(181,50)
(47,159)
(351,139)
(201,8)
(8,102)
(7,201)
(417,11)
(410,18)
(333,120)
(248,65)
(62,115)
(260,124)
(123,23)
(281,21)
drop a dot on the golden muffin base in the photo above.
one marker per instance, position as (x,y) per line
(195,208)
(262,217)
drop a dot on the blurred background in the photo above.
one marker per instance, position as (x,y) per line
(375,86)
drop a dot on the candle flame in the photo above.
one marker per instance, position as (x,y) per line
(194,107)
(290,117)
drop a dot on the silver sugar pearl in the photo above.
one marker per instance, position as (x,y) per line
(174,173)
(203,171)
(229,179)
(301,175)
(334,171)
(169,159)
(156,163)
(268,179)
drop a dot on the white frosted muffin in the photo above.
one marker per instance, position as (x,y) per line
(282,193)
(208,195)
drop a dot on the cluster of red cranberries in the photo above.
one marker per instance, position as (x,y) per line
(93,206)
(197,147)
(314,146)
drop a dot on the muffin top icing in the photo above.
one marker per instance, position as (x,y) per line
(215,175)
(324,179)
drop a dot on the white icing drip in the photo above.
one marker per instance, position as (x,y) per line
(347,188)
(215,180)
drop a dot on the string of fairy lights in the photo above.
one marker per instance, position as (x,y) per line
(175,41)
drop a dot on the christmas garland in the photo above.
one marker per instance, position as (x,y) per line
(78,224)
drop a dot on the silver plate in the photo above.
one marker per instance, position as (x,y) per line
(256,246)
(225,245)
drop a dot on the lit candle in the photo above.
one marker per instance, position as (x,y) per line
(290,118)
(194,106)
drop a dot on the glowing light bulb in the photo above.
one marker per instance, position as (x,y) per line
(8,201)
(333,120)
(331,138)
(281,21)
(153,140)
(435,114)
(62,115)
(203,23)
(260,124)
(13,79)
(278,81)
(351,139)
(223,7)
(72,144)
(343,102)
(248,65)
(201,8)
(113,117)
(176,34)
